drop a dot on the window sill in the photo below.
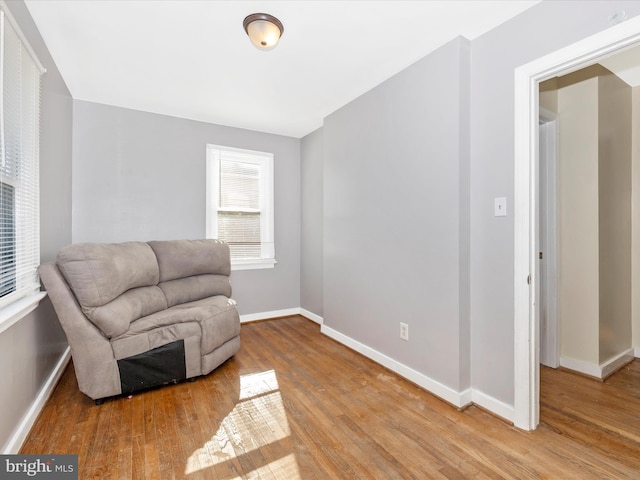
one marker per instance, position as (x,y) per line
(252,264)
(16,311)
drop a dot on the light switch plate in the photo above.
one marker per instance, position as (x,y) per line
(500,207)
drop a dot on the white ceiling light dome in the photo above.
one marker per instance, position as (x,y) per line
(264,30)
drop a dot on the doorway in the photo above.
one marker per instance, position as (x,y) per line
(526,210)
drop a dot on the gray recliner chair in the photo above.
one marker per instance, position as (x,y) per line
(139,315)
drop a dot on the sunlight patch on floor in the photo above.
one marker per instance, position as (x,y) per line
(258,419)
(258,384)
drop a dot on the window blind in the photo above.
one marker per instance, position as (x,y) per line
(20,74)
(239,210)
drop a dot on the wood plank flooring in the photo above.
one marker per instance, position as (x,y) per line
(294,404)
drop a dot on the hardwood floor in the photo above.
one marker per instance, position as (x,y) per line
(294,404)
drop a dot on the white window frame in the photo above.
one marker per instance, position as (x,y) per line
(214,154)
(16,305)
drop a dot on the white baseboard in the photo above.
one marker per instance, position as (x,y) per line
(253,317)
(466,397)
(613,364)
(20,434)
(311,316)
(636,352)
(581,366)
(494,406)
(446,393)
(604,369)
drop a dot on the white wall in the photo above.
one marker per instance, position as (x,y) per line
(614,185)
(141,176)
(579,294)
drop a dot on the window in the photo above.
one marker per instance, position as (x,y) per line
(8,240)
(240,204)
(20,74)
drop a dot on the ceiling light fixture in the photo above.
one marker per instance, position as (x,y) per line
(263,29)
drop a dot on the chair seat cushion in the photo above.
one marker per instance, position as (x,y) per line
(216,319)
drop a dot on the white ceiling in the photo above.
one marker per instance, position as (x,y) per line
(192,59)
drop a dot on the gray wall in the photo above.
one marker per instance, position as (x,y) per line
(30,349)
(545,28)
(384,167)
(141,176)
(312,222)
(396,216)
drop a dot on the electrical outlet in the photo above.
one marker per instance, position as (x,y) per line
(404,331)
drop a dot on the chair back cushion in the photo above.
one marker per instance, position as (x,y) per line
(100,273)
(185,258)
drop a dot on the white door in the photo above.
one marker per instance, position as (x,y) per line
(548,243)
